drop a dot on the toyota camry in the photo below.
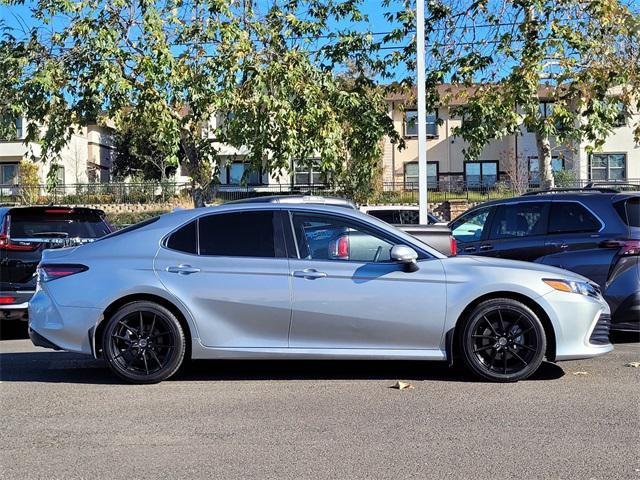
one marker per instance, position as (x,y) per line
(278,280)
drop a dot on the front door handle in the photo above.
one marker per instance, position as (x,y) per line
(183,269)
(470,249)
(486,247)
(560,245)
(309,273)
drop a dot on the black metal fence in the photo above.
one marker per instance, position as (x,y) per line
(387,192)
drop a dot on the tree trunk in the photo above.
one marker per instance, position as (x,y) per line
(544,157)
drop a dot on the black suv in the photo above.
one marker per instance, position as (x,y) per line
(595,233)
(24,233)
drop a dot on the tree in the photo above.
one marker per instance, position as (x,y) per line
(583,55)
(140,154)
(270,70)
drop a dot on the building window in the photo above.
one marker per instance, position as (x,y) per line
(19,129)
(481,173)
(308,173)
(411,124)
(240,173)
(411,177)
(8,174)
(557,164)
(546,109)
(621,117)
(608,166)
(59,172)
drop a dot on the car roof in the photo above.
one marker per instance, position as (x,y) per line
(574,196)
(298,199)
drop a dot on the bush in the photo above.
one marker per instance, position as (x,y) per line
(29,182)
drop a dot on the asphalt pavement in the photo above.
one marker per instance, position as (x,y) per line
(66,416)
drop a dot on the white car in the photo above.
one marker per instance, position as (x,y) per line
(398,214)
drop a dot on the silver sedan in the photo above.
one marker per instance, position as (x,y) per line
(305,281)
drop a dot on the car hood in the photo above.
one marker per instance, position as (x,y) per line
(501,263)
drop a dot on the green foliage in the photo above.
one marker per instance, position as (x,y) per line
(166,67)
(29,182)
(122,219)
(508,56)
(564,178)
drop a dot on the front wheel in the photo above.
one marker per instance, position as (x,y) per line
(502,340)
(143,342)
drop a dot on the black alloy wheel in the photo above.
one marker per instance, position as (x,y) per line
(503,340)
(143,343)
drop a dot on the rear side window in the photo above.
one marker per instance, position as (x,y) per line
(469,227)
(629,211)
(518,220)
(184,239)
(571,217)
(240,234)
(57,223)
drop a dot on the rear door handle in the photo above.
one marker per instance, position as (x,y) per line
(484,248)
(470,249)
(183,269)
(560,245)
(309,273)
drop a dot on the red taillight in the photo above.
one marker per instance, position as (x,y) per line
(7,300)
(339,248)
(627,247)
(51,272)
(7,244)
(454,246)
(59,210)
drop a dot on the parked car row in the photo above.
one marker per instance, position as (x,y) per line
(299,279)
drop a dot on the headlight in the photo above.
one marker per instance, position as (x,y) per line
(572,286)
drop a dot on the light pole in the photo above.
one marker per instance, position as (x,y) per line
(422,115)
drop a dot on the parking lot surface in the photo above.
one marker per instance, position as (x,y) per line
(66,416)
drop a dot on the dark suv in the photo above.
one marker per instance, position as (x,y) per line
(593,233)
(24,233)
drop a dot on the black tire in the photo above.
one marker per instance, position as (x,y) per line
(143,342)
(502,340)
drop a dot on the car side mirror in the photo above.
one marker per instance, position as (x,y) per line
(407,256)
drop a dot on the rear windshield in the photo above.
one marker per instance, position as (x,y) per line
(629,211)
(57,224)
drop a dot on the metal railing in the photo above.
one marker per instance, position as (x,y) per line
(387,192)
(94,193)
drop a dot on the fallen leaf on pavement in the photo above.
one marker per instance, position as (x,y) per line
(581,373)
(633,364)
(401,385)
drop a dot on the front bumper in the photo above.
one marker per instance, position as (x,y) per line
(66,328)
(580,323)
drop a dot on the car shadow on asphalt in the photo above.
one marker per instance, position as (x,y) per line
(64,367)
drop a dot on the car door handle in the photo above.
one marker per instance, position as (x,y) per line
(309,273)
(560,245)
(470,249)
(484,248)
(183,269)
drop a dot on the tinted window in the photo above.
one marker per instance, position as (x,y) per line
(60,223)
(470,226)
(629,211)
(389,216)
(325,237)
(184,239)
(241,234)
(518,220)
(566,217)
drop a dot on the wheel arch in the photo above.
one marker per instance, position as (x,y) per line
(98,330)
(452,336)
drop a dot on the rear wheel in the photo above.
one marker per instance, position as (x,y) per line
(503,340)
(143,342)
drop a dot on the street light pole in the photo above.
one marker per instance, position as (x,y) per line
(422,115)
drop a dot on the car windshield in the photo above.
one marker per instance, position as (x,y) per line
(57,223)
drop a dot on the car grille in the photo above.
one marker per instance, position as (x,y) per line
(600,334)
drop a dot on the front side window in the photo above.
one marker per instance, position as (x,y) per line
(608,166)
(411,124)
(238,234)
(481,174)
(518,220)
(325,237)
(469,227)
(571,217)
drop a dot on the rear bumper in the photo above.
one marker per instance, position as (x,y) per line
(39,341)
(18,310)
(627,316)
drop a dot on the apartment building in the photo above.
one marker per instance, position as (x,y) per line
(85,159)
(508,158)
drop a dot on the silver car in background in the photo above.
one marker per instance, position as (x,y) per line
(305,281)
